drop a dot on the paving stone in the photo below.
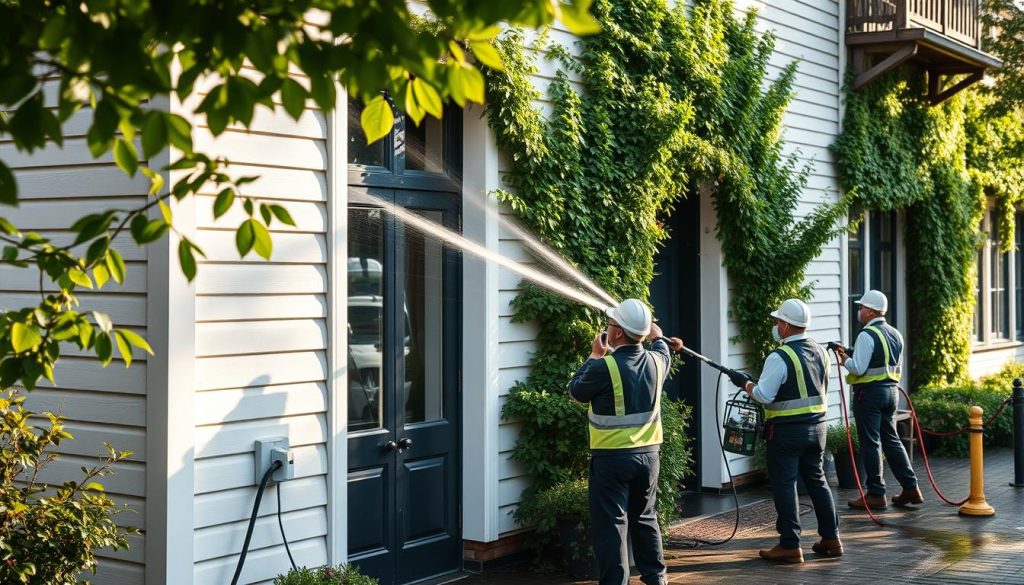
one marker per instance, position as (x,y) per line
(928,545)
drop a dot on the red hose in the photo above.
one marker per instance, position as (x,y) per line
(915,428)
(924,454)
(849,443)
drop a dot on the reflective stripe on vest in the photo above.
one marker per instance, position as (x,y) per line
(803,405)
(890,369)
(621,430)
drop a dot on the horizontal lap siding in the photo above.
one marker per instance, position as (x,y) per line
(261,359)
(516,341)
(807,32)
(57,186)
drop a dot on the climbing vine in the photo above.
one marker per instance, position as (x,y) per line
(663,103)
(939,164)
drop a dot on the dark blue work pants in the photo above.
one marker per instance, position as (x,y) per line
(797,449)
(623,493)
(875,410)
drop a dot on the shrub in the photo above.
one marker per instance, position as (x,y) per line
(49,533)
(340,575)
(946,409)
(835,438)
(1001,382)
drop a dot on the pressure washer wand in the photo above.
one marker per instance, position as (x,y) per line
(731,373)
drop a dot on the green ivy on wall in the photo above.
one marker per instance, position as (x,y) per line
(664,102)
(939,164)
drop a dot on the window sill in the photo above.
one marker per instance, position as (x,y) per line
(1002,344)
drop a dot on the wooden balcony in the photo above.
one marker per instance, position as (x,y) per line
(943,37)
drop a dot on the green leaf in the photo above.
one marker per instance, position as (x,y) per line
(282,215)
(8,187)
(136,340)
(125,156)
(8,227)
(377,119)
(116,266)
(154,134)
(104,349)
(156,180)
(187,260)
(225,199)
(293,95)
(487,54)
(123,347)
(25,337)
(147,231)
(413,110)
(578,20)
(101,274)
(263,244)
(265,212)
(165,211)
(245,237)
(428,97)
(103,320)
(79,277)
(468,83)
(179,133)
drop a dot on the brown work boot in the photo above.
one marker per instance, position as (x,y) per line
(783,555)
(829,547)
(908,496)
(875,502)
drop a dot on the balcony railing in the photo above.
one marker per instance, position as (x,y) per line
(957,19)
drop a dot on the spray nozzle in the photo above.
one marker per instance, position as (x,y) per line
(836,346)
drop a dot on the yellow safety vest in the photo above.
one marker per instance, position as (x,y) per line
(804,404)
(621,430)
(889,370)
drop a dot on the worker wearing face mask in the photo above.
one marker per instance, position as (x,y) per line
(875,377)
(793,388)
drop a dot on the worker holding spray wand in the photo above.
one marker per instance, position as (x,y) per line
(623,389)
(875,376)
(793,388)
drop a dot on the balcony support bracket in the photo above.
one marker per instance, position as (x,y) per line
(894,60)
(937,94)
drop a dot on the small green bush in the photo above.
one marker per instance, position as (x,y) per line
(1001,382)
(340,575)
(945,409)
(835,438)
(49,534)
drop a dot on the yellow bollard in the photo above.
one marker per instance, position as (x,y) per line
(976,504)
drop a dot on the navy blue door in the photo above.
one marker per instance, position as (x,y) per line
(403,389)
(675,295)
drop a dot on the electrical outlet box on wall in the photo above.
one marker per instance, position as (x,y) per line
(267,452)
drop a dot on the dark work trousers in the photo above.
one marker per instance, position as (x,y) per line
(798,449)
(874,409)
(623,490)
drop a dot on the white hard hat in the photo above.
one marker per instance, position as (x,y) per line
(633,317)
(795,312)
(874,299)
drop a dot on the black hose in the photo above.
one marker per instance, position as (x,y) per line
(732,482)
(280,524)
(252,519)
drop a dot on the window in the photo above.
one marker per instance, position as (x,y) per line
(872,258)
(1018,280)
(855,254)
(999,293)
(992,315)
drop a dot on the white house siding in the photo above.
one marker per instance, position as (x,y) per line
(57,186)
(807,32)
(261,353)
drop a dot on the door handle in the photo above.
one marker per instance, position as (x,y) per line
(404,444)
(390,446)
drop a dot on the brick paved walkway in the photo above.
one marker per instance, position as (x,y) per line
(931,545)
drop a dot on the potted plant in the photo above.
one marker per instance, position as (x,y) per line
(340,575)
(835,443)
(565,505)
